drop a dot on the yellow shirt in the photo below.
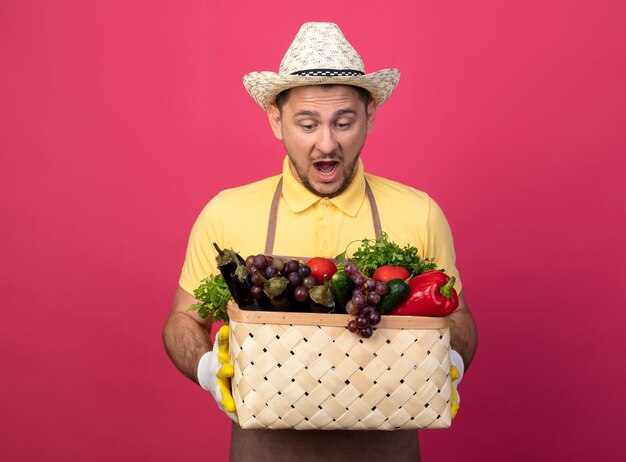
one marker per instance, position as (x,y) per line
(311,226)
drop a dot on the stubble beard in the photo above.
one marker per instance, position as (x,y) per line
(347,179)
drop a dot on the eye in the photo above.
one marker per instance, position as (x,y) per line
(345,122)
(308,127)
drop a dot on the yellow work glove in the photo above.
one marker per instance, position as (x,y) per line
(215,372)
(456,374)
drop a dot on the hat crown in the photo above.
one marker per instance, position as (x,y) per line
(320,45)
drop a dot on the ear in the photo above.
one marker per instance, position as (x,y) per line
(273,114)
(371,114)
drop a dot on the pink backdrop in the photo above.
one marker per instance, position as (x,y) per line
(120,119)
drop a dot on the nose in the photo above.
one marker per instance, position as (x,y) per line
(326,142)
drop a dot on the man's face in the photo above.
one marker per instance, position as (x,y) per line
(323,129)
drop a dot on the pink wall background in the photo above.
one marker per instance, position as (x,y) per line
(119,120)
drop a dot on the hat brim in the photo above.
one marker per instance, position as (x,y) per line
(263,87)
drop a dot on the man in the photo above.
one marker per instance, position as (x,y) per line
(321,105)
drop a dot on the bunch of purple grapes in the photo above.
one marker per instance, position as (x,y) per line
(366,296)
(266,266)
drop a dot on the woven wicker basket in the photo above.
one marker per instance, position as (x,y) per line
(306,371)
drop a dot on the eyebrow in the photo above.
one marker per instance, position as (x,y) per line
(340,112)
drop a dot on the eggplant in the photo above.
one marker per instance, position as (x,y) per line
(235,274)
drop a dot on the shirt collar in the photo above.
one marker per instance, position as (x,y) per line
(298,198)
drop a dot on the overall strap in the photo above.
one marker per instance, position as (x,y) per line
(271,225)
(378,229)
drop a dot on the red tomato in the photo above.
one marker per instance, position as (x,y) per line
(321,267)
(388,272)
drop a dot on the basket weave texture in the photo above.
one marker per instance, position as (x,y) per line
(306,371)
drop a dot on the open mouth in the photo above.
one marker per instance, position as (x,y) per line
(326,167)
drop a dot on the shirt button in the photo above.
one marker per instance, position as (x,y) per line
(324,225)
(323,206)
(325,244)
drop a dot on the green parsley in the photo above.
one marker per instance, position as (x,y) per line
(213,295)
(373,253)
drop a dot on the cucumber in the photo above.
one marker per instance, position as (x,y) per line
(398,292)
(342,286)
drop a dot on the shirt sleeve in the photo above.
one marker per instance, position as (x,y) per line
(200,256)
(439,244)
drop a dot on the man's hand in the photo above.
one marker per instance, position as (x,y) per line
(215,372)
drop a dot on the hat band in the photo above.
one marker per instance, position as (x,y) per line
(329,72)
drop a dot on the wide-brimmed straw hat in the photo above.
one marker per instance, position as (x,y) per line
(320,54)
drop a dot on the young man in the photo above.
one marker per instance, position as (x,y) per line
(321,105)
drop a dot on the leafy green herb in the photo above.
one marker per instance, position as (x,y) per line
(213,294)
(373,253)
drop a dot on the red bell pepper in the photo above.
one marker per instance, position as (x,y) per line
(430,294)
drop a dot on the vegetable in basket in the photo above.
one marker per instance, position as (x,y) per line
(374,253)
(398,293)
(342,286)
(321,267)
(322,298)
(235,275)
(430,294)
(213,296)
(388,272)
(274,288)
